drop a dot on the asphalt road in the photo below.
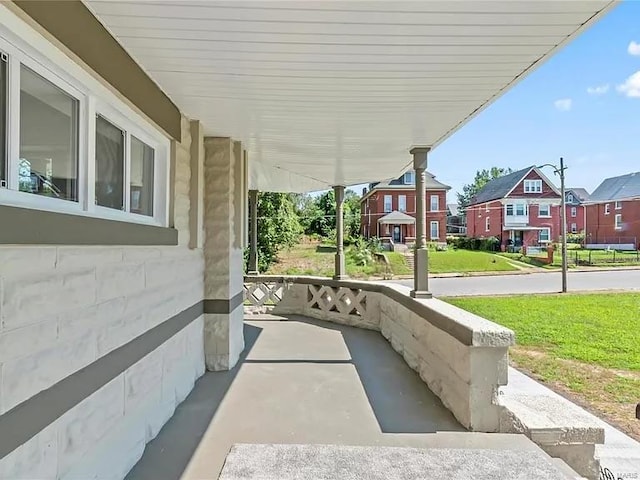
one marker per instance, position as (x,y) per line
(533,283)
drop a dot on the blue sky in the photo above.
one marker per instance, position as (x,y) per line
(579,105)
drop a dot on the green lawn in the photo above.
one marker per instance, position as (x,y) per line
(464,261)
(584,346)
(595,328)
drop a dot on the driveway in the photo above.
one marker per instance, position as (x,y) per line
(533,283)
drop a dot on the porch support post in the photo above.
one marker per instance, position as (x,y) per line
(224,242)
(421,261)
(253,229)
(339,270)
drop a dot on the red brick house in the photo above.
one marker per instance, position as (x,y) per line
(520,209)
(575,199)
(388,209)
(613,214)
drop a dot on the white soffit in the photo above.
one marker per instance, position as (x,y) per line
(338,91)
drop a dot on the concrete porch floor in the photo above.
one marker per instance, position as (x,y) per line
(298,381)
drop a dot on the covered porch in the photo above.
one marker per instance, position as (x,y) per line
(398,226)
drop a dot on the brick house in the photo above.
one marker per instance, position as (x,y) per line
(520,209)
(576,213)
(388,209)
(613,213)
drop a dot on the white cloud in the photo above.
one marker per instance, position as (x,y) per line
(564,104)
(598,90)
(633,48)
(631,86)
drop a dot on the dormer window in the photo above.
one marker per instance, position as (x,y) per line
(533,186)
(409,178)
(569,197)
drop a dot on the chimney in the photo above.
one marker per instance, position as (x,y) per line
(364,191)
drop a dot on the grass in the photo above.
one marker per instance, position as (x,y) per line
(465,261)
(304,259)
(586,346)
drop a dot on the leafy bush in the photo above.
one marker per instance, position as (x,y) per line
(361,253)
(488,244)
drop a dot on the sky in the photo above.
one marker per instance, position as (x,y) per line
(583,104)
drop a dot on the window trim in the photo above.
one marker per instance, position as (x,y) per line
(25,46)
(431,224)
(487,224)
(574,228)
(617,225)
(437,198)
(574,212)
(384,203)
(400,202)
(569,197)
(618,205)
(545,229)
(607,208)
(548,215)
(411,180)
(533,181)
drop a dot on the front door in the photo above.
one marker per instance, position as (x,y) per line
(517,238)
(396,233)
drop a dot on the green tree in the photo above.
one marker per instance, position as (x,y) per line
(318,214)
(481,179)
(278,226)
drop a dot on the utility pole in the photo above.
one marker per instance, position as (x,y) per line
(563,226)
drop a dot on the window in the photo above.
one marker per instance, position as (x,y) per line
(544,210)
(521,209)
(486,208)
(73,146)
(487,224)
(574,228)
(3,119)
(48,163)
(606,209)
(402,203)
(409,178)
(619,221)
(435,230)
(509,210)
(569,197)
(387,204)
(544,235)
(434,205)
(141,183)
(618,205)
(109,164)
(574,212)
(533,186)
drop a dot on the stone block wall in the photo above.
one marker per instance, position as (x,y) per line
(63,310)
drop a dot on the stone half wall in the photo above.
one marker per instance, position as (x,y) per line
(98,345)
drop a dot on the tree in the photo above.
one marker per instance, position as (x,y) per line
(318,214)
(481,179)
(278,226)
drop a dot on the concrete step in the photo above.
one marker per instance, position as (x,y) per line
(324,462)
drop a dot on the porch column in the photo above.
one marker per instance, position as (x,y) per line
(420,263)
(224,202)
(253,239)
(339,271)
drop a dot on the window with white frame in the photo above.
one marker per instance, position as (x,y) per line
(409,178)
(486,208)
(574,228)
(544,235)
(618,205)
(606,209)
(68,145)
(435,230)
(509,210)
(487,224)
(388,207)
(533,186)
(618,224)
(544,210)
(4,104)
(402,203)
(521,209)
(434,204)
(569,197)
(574,212)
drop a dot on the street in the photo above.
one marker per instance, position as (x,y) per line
(532,283)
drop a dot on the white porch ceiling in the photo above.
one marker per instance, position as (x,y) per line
(336,92)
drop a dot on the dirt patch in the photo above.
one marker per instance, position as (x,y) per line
(610,394)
